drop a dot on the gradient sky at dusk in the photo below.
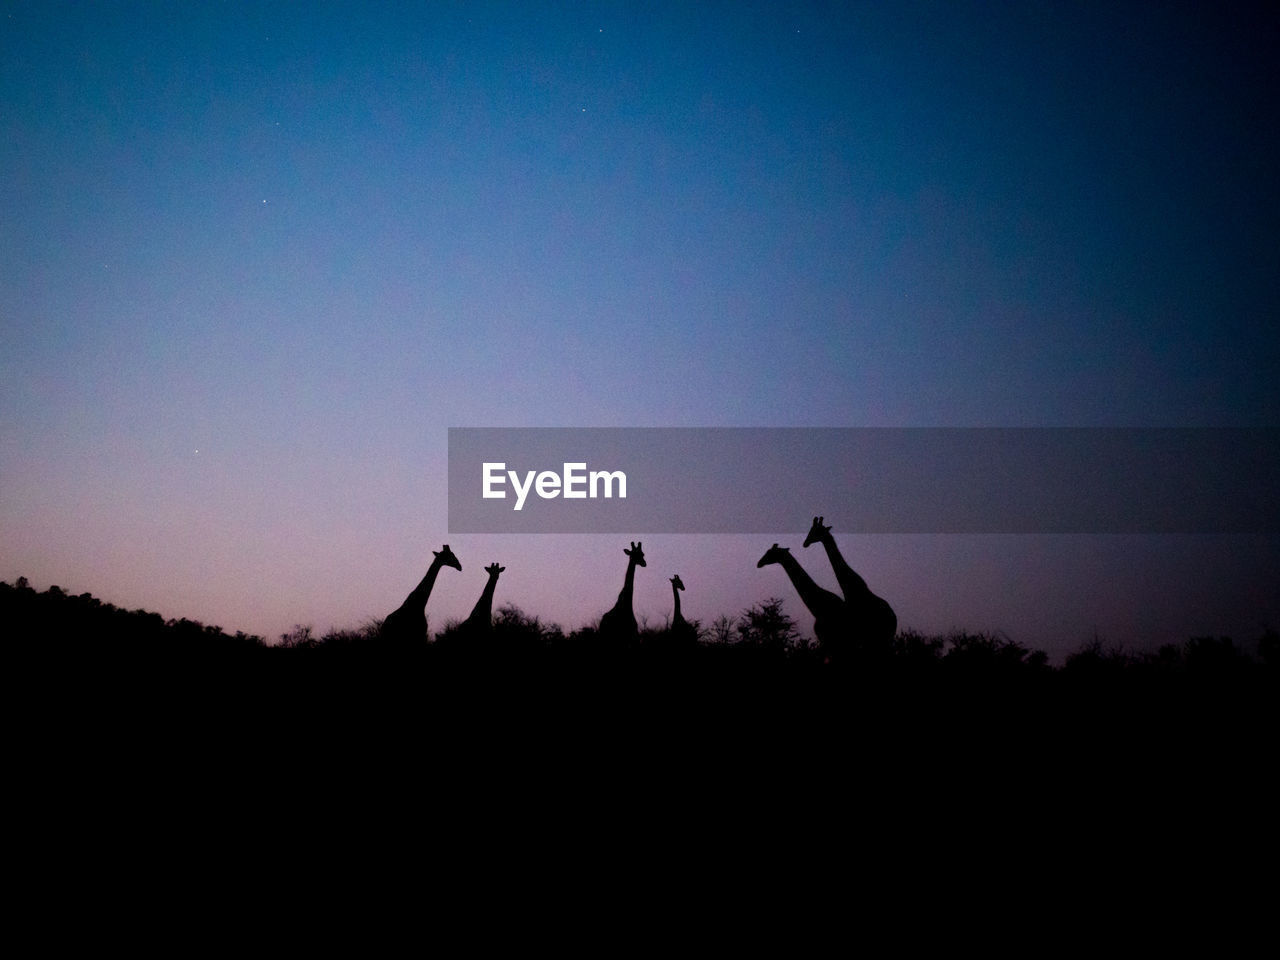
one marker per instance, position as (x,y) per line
(255,259)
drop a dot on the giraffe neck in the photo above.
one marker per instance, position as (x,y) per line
(851,585)
(676,617)
(810,592)
(624,598)
(483,609)
(833,552)
(423,590)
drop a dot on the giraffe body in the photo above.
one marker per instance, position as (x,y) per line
(831,622)
(873,623)
(620,620)
(407,624)
(681,630)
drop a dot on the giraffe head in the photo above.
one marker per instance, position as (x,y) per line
(773,555)
(444,556)
(493,570)
(817,532)
(677,582)
(636,554)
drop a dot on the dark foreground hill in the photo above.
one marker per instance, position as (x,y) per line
(530,748)
(750,680)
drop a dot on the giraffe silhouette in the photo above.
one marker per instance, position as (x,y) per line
(831,623)
(681,629)
(407,624)
(480,623)
(872,620)
(620,621)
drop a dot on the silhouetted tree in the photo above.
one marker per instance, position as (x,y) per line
(767,627)
(989,653)
(723,630)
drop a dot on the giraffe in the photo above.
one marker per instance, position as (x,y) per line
(677,618)
(681,629)
(873,622)
(621,620)
(481,620)
(408,622)
(830,613)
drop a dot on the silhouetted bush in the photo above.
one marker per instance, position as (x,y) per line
(911,648)
(767,627)
(300,637)
(723,630)
(368,633)
(55,623)
(757,657)
(1214,656)
(1269,648)
(1096,660)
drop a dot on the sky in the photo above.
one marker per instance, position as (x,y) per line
(256,259)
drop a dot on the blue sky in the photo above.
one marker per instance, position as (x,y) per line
(304,240)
